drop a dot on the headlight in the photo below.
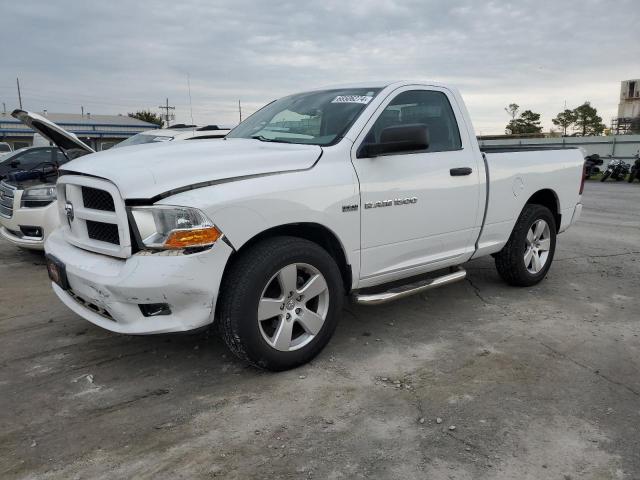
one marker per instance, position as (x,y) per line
(168,227)
(39,196)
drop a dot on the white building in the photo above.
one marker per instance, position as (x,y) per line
(628,120)
(629,106)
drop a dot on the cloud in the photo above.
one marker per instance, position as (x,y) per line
(119,56)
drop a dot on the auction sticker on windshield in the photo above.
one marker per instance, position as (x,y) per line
(364,99)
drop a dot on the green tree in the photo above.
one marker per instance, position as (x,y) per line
(527,122)
(147,116)
(512,110)
(565,120)
(587,120)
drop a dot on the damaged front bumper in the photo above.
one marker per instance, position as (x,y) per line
(145,293)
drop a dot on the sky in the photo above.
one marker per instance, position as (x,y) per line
(121,56)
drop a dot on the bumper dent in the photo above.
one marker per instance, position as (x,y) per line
(187,283)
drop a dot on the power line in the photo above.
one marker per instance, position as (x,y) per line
(69,101)
(58,96)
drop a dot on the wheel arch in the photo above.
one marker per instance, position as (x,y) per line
(547,198)
(314,232)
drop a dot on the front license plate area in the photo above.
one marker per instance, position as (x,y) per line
(57,272)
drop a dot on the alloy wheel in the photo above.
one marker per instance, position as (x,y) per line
(537,246)
(293,307)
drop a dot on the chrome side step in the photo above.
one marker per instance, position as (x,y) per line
(403,291)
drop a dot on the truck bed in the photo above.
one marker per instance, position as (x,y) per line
(514,175)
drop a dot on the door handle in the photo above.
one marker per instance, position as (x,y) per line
(461,171)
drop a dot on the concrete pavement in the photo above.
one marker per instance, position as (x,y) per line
(531,383)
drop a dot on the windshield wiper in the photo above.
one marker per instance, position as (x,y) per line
(262,138)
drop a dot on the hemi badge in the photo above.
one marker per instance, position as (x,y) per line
(350,208)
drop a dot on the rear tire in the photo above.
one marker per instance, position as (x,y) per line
(264,315)
(528,254)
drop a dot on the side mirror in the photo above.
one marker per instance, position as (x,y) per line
(397,139)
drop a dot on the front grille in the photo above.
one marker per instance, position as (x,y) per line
(94,217)
(7,192)
(104,232)
(97,199)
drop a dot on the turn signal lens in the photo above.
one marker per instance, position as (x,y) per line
(164,227)
(196,237)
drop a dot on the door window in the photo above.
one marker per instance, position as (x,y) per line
(421,107)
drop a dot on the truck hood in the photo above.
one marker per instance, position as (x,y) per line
(160,169)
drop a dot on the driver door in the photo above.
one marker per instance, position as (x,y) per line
(419,208)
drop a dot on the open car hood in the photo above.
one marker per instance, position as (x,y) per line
(71,145)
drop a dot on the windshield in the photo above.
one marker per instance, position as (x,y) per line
(141,138)
(316,118)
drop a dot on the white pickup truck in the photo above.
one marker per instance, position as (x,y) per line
(374,190)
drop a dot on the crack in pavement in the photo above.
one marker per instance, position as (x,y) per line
(470,445)
(595,372)
(476,291)
(417,401)
(117,406)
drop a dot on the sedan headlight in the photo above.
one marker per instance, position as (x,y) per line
(39,196)
(169,227)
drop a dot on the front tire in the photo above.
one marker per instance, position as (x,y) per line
(527,256)
(605,175)
(280,303)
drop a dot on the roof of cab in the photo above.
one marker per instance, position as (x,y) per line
(383,84)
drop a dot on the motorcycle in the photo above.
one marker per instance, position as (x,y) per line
(617,170)
(591,163)
(635,169)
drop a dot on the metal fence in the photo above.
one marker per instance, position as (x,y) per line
(623,147)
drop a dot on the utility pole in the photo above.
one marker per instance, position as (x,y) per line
(19,95)
(4,108)
(167,109)
(82,110)
(240,110)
